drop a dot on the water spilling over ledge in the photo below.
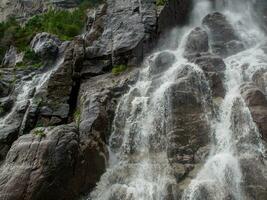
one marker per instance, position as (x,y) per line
(132,110)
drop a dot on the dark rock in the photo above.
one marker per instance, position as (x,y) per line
(161,62)
(254,177)
(224,40)
(257,103)
(5,105)
(187,130)
(197,42)
(11,57)
(97,102)
(259,78)
(126,42)
(213,66)
(173,13)
(46,45)
(51,163)
(95,67)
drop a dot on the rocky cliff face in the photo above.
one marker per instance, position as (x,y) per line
(23,9)
(61,125)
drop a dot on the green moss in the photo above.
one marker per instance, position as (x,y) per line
(39,132)
(160,2)
(118,69)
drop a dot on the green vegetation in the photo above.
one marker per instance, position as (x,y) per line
(160,2)
(30,59)
(118,69)
(39,132)
(63,23)
(77,116)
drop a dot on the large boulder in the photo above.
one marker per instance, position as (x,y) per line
(46,45)
(224,40)
(257,103)
(197,42)
(213,67)
(126,42)
(51,164)
(172,14)
(97,102)
(187,128)
(108,37)
(161,62)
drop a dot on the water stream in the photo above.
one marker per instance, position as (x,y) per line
(139,166)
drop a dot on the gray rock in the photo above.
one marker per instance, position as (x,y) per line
(187,130)
(213,66)
(197,42)
(11,57)
(125,27)
(51,163)
(161,62)
(257,103)
(28,8)
(225,41)
(46,45)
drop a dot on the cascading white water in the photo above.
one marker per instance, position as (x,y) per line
(221,176)
(23,93)
(139,167)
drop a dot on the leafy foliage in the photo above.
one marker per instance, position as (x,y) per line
(77,116)
(30,59)
(118,69)
(160,2)
(63,23)
(39,132)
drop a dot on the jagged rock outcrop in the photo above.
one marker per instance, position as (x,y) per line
(224,40)
(257,103)
(51,164)
(197,42)
(12,57)
(46,45)
(172,14)
(187,128)
(197,51)
(22,10)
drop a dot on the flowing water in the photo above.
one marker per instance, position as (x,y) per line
(139,166)
(23,94)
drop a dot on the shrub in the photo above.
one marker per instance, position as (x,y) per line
(30,59)
(118,69)
(77,116)
(160,2)
(39,132)
(65,24)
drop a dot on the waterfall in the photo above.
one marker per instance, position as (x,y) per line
(221,176)
(24,93)
(139,167)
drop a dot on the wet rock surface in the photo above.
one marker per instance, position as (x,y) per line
(225,41)
(75,103)
(46,45)
(50,164)
(257,103)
